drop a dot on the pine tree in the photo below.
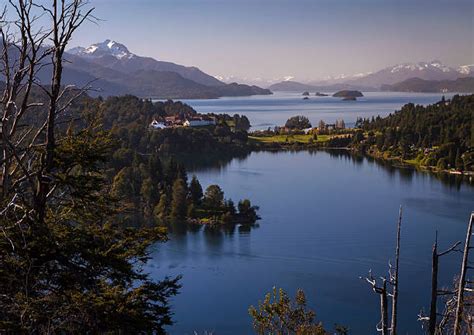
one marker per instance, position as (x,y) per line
(178,202)
(182,174)
(214,197)
(195,191)
(171,172)
(149,192)
(161,210)
(459,163)
(191,211)
(230,207)
(155,169)
(122,184)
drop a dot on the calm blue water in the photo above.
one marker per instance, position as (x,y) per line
(269,111)
(326,220)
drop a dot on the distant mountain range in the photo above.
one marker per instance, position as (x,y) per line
(434,70)
(114,70)
(294,86)
(461,85)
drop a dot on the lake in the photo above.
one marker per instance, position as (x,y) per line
(327,218)
(266,111)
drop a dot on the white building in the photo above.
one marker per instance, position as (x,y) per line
(199,122)
(157,125)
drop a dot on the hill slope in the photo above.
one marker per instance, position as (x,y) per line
(437,136)
(433,70)
(117,71)
(461,85)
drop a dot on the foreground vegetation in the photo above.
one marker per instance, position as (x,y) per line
(83,191)
(68,262)
(277,314)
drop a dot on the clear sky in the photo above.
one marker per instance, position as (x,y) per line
(308,39)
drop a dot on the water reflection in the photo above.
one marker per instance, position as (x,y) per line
(327,217)
(213,235)
(211,162)
(405,173)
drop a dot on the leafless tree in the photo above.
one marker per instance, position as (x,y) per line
(394,277)
(432,318)
(457,315)
(29,110)
(463,285)
(28,48)
(382,290)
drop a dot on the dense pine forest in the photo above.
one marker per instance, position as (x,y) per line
(128,118)
(437,136)
(142,168)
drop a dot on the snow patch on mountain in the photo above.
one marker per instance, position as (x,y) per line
(466,69)
(422,66)
(259,81)
(108,47)
(362,75)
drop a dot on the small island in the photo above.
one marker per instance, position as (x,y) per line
(305,93)
(348,95)
(319,94)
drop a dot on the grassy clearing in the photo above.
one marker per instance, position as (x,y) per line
(412,161)
(282,139)
(230,123)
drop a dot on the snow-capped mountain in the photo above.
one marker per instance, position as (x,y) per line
(434,70)
(260,81)
(338,79)
(466,69)
(116,56)
(115,70)
(428,71)
(421,66)
(107,47)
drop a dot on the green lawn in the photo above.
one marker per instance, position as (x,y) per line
(412,161)
(230,123)
(291,138)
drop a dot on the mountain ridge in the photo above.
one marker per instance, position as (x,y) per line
(434,70)
(459,85)
(115,70)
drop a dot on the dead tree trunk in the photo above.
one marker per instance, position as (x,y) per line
(383,308)
(394,278)
(382,290)
(432,319)
(434,290)
(462,280)
(382,327)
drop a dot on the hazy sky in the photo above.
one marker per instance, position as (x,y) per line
(277,38)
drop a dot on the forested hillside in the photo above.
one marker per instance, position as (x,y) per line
(438,135)
(420,85)
(128,118)
(142,168)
